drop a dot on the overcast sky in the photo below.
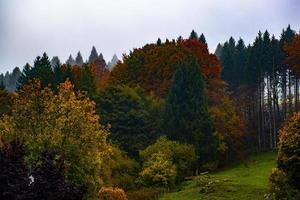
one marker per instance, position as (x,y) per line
(63,27)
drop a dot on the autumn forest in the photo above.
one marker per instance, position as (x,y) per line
(167,114)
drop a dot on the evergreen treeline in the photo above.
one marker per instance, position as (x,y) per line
(262,82)
(9,80)
(42,65)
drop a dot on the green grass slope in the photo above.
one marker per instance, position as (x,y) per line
(239,182)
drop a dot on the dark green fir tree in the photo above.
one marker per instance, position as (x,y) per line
(186,118)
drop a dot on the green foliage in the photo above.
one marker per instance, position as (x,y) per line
(121,170)
(288,154)
(158,171)
(132,115)
(202,39)
(194,35)
(66,123)
(183,156)
(186,118)
(86,81)
(280,186)
(41,70)
(6,101)
(49,179)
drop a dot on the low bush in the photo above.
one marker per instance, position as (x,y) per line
(285,179)
(110,193)
(280,186)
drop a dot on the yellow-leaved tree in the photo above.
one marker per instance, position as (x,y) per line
(66,122)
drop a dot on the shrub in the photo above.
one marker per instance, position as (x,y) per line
(158,171)
(285,180)
(280,186)
(110,193)
(289,150)
(120,170)
(183,156)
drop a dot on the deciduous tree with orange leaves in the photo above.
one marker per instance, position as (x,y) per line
(153,66)
(293,59)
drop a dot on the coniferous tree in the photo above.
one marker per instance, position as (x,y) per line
(79,59)
(193,35)
(186,118)
(227,58)
(2,85)
(70,60)
(41,70)
(113,62)
(219,50)
(58,74)
(55,61)
(239,62)
(26,73)
(202,38)
(87,81)
(158,43)
(94,55)
(101,58)
(179,39)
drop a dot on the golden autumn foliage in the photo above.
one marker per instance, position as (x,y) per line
(285,179)
(230,128)
(65,122)
(289,145)
(6,101)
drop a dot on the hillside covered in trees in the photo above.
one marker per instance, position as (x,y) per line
(136,127)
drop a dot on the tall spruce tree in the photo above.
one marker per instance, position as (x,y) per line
(41,70)
(227,57)
(186,118)
(202,39)
(58,73)
(193,35)
(79,59)
(158,42)
(70,60)
(55,61)
(94,55)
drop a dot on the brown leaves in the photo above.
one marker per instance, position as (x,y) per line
(293,54)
